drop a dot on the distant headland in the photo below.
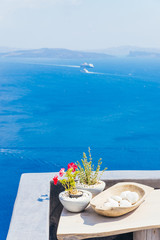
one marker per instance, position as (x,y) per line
(57,53)
(61,53)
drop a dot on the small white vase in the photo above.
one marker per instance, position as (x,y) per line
(94,189)
(75,204)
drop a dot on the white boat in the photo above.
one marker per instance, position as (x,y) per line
(85,70)
(87,65)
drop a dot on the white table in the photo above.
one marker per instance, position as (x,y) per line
(30,218)
(144,222)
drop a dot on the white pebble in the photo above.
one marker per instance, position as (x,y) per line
(107,204)
(125,203)
(82,198)
(110,200)
(124,194)
(111,204)
(132,197)
(116,198)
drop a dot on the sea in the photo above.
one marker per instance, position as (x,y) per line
(51,112)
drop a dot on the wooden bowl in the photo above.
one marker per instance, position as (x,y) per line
(97,202)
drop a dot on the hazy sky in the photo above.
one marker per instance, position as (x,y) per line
(79,24)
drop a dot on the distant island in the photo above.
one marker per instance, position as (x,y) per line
(57,53)
(130,51)
(143,54)
(60,53)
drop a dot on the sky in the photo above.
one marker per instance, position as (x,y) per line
(79,24)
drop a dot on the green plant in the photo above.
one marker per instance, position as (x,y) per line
(68,182)
(87,174)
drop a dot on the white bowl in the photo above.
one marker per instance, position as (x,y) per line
(75,204)
(94,189)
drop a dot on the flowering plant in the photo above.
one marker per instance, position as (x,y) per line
(69,178)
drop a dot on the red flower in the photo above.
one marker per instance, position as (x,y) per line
(72,165)
(55,179)
(61,172)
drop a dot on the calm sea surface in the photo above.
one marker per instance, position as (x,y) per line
(50,113)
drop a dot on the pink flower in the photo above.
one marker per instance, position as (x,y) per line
(73,166)
(61,172)
(55,179)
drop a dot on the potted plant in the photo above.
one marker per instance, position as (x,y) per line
(88,177)
(73,199)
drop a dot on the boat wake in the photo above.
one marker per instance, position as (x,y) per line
(52,64)
(84,70)
(88,72)
(109,74)
(59,65)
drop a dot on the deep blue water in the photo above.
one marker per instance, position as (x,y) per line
(50,114)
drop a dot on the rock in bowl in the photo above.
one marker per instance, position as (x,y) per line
(98,202)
